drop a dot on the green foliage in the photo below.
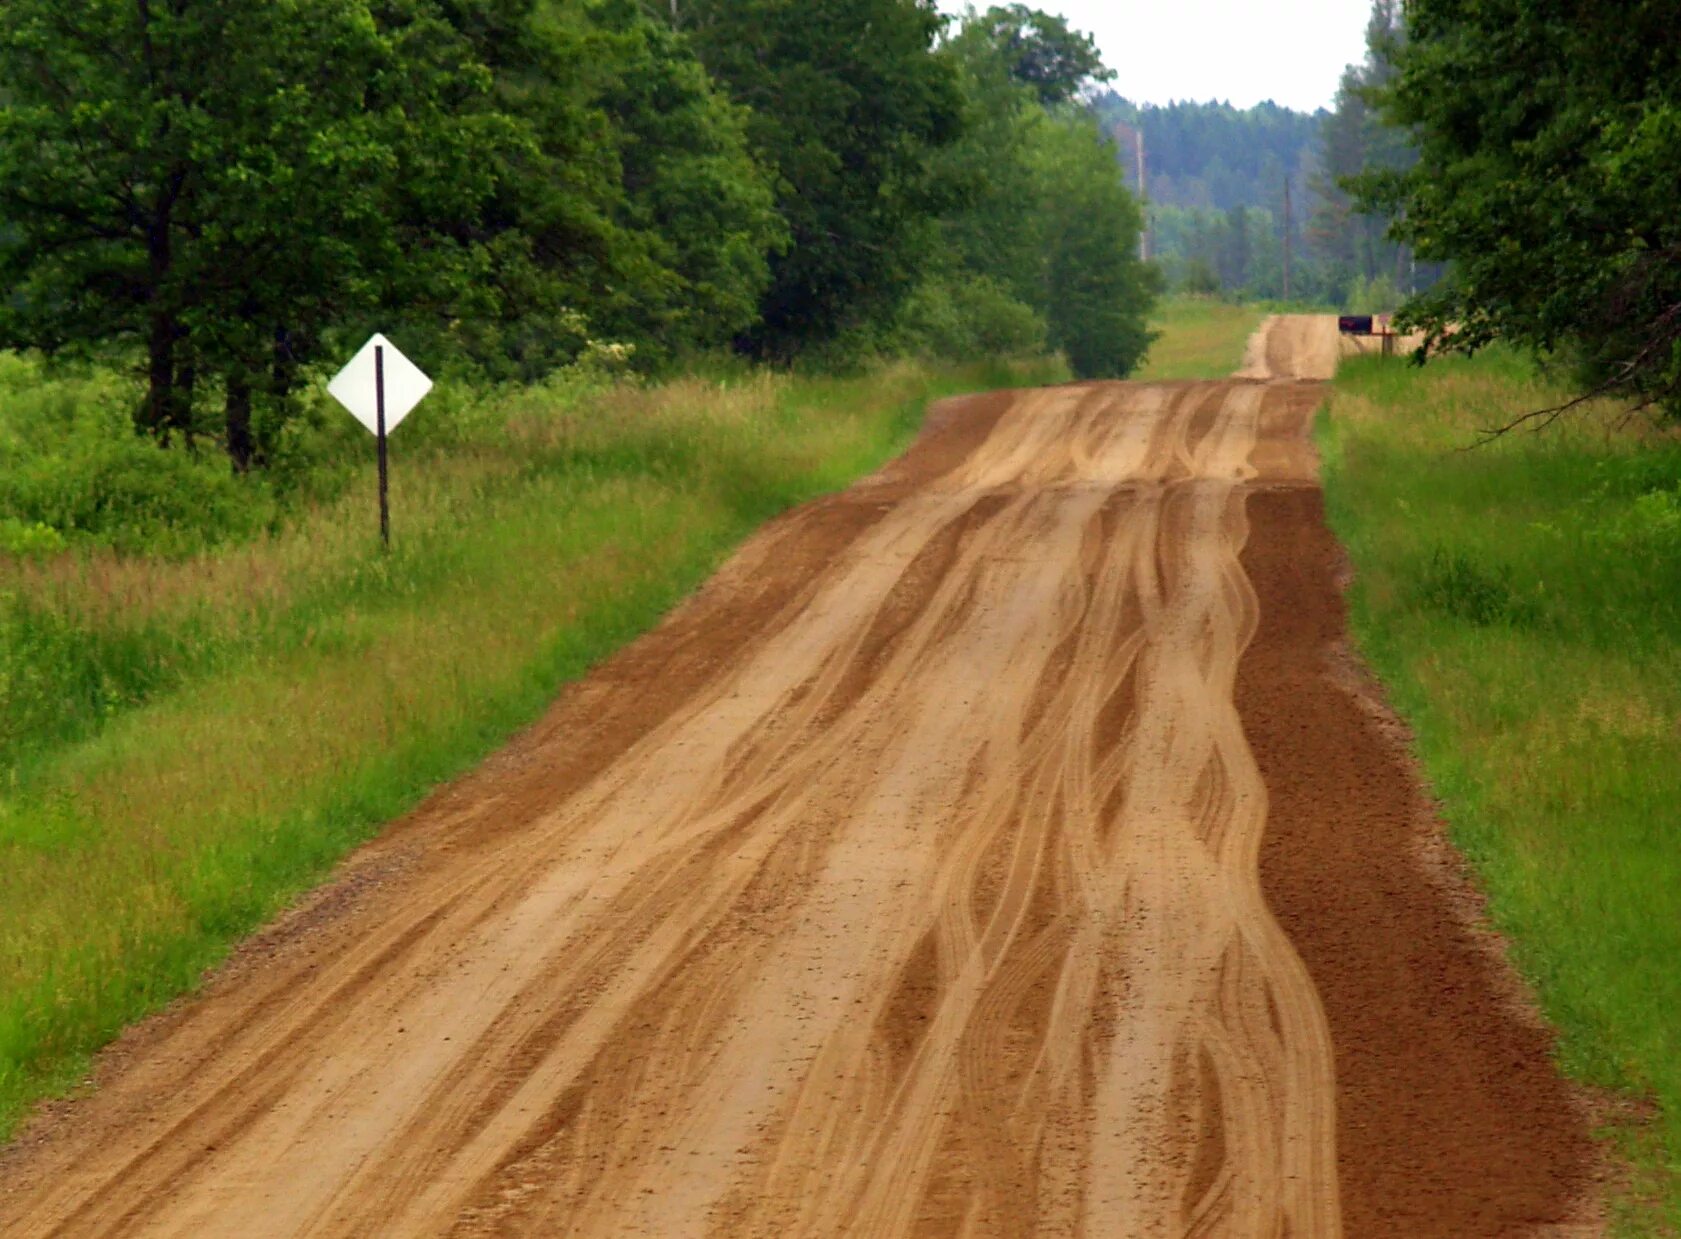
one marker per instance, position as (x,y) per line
(1374,296)
(1198,337)
(637,216)
(1351,240)
(1458,584)
(1213,156)
(503,186)
(130,494)
(183,180)
(71,473)
(968,317)
(1548,152)
(488,180)
(1198,278)
(1041,52)
(1217,187)
(846,103)
(29,539)
(1098,292)
(1218,176)
(1046,220)
(702,209)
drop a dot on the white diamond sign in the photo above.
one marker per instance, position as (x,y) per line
(356,386)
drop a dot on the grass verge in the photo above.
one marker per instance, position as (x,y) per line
(210,734)
(1521,601)
(1201,338)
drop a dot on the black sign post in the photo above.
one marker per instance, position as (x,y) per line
(379,414)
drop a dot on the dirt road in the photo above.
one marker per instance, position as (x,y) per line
(908,881)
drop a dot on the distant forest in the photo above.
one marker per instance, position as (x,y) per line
(1213,156)
(1215,178)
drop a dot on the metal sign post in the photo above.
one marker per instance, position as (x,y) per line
(384,485)
(379,386)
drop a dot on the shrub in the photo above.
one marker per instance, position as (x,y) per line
(968,318)
(129,494)
(1457,584)
(28,538)
(1374,296)
(1198,279)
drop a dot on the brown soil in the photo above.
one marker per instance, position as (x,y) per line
(1452,1122)
(906,881)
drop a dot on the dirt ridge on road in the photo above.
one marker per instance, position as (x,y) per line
(906,881)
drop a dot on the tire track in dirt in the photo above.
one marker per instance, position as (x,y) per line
(1295,346)
(907,884)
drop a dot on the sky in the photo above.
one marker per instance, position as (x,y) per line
(1289,51)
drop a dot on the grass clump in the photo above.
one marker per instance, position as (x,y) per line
(190,738)
(1521,601)
(1457,584)
(1201,338)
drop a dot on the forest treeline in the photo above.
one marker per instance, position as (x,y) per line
(1494,172)
(1216,177)
(226,195)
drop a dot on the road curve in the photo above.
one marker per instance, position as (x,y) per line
(905,882)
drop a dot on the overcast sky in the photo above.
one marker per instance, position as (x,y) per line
(1289,51)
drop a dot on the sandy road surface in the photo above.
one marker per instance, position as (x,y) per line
(906,882)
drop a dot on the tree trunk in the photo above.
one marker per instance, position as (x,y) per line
(284,367)
(242,448)
(161,411)
(157,411)
(186,382)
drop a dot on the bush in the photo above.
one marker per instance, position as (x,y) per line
(1457,584)
(1374,296)
(72,470)
(129,494)
(1198,279)
(28,538)
(967,317)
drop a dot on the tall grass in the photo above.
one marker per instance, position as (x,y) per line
(192,739)
(1201,338)
(1522,600)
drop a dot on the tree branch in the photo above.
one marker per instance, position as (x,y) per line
(1665,330)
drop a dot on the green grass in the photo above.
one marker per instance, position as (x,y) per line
(1522,602)
(191,739)
(1202,338)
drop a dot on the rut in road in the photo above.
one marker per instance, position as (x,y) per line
(933,909)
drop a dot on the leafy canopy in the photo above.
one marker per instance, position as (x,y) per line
(231,190)
(1040,51)
(1549,138)
(1044,247)
(214,182)
(846,102)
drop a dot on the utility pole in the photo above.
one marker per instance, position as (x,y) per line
(1289,226)
(1143,198)
(1412,262)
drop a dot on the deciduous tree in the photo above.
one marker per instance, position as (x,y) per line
(1042,52)
(1045,217)
(215,182)
(846,100)
(1549,140)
